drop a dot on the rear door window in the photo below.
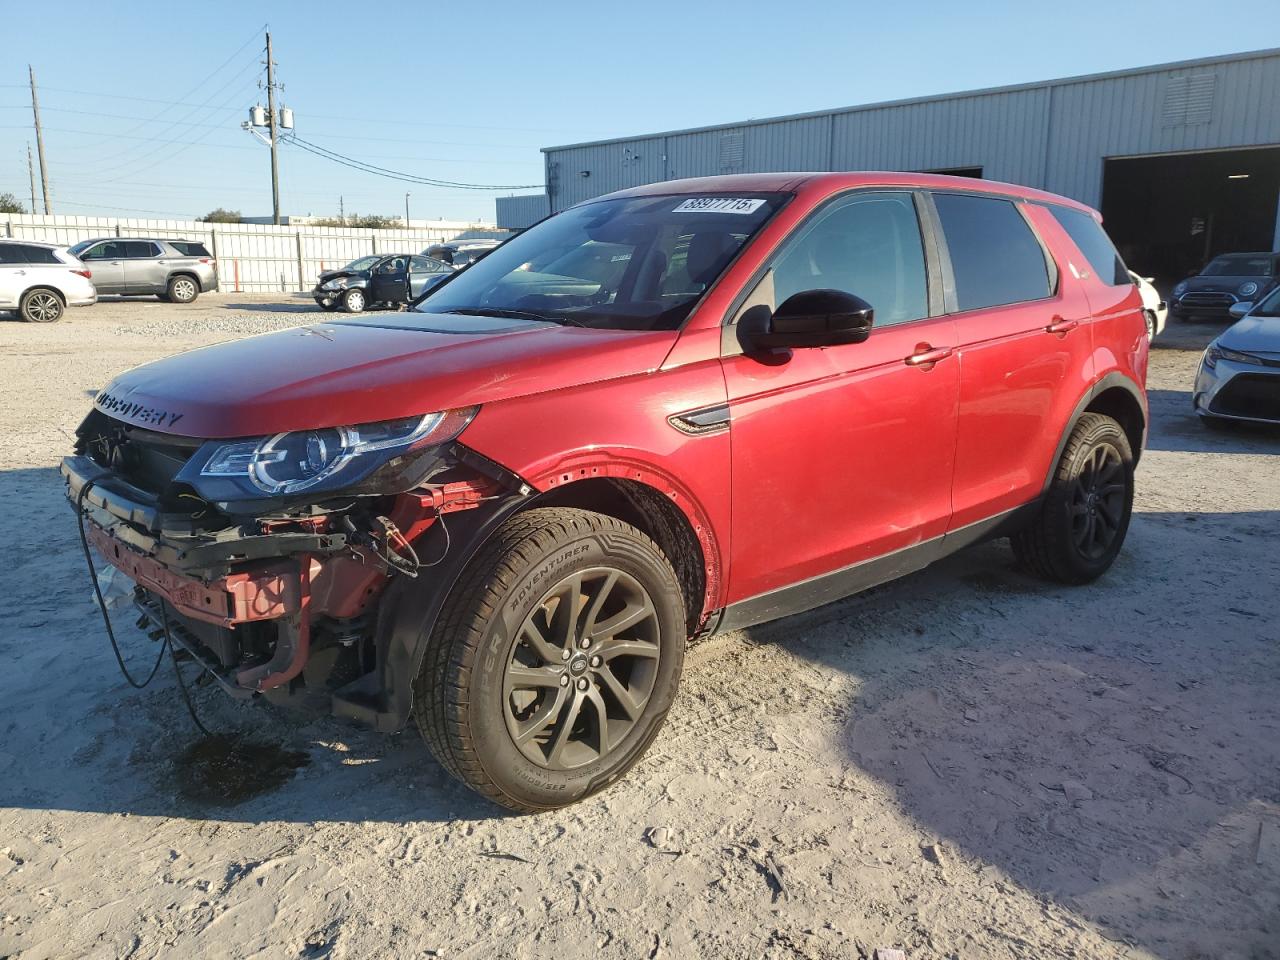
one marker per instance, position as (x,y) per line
(995,257)
(1088,235)
(11,253)
(137,249)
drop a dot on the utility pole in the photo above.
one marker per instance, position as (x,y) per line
(342,211)
(31,172)
(406,210)
(272,124)
(44,174)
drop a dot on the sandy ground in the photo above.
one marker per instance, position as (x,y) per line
(967,763)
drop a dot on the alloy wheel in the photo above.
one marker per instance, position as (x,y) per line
(184,290)
(44,307)
(1097,501)
(581,668)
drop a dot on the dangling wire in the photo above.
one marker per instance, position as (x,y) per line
(186,697)
(102,605)
(106,620)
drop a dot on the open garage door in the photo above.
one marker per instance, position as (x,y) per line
(1170,214)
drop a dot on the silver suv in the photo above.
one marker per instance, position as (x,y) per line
(177,271)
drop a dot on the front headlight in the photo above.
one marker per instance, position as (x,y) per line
(1248,288)
(1180,288)
(1214,353)
(338,283)
(327,458)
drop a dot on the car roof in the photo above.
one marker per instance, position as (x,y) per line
(33,243)
(832,182)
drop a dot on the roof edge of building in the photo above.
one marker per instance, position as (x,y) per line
(935,98)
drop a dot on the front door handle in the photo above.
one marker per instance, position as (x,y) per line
(1058,325)
(926,355)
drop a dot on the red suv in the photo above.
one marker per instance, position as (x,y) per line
(676,410)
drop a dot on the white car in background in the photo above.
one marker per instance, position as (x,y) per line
(1155,309)
(40,280)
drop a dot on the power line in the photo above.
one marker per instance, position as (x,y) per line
(378,171)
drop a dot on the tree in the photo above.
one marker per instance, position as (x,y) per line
(221,216)
(11,204)
(370,221)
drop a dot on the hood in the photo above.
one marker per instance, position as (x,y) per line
(331,274)
(337,373)
(1258,335)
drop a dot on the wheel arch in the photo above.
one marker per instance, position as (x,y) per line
(1114,395)
(195,277)
(62,297)
(410,607)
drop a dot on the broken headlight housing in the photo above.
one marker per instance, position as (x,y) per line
(321,460)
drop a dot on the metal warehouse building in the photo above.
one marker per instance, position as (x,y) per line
(1183,159)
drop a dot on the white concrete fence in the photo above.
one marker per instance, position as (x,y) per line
(251,257)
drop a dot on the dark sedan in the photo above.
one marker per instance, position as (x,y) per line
(1225,281)
(381,280)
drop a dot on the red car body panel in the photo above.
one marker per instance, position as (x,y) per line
(339,373)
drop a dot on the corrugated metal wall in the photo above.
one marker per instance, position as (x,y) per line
(251,257)
(516,213)
(1053,135)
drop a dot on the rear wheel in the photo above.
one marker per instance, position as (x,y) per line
(40,306)
(353,301)
(1082,522)
(554,660)
(182,290)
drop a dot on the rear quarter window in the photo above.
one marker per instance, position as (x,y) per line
(41,255)
(189,249)
(1088,235)
(995,257)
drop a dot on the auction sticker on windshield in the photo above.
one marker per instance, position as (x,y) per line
(718,205)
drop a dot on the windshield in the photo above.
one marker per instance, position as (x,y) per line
(627,264)
(1269,307)
(81,247)
(1238,267)
(364,263)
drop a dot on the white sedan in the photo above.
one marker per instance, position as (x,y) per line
(1153,308)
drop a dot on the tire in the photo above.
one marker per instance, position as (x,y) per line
(1081,524)
(496,665)
(354,301)
(41,305)
(182,289)
(1151,324)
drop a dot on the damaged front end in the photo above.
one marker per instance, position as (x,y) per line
(269,558)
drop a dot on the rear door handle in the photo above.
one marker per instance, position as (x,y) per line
(1058,325)
(927,355)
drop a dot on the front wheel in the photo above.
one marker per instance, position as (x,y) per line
(182,290)
(40,306)
(1081,524)
(353,301)
(554,660)
(1151,324)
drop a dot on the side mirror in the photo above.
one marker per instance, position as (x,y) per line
(1238,310)
(817,318)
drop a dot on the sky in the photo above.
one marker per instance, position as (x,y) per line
(142,103)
